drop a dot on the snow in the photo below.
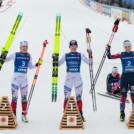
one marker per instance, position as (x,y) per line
(38,24)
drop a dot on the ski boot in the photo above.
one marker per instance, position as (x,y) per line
(15,117)
(83,119)
(24,117)
(122,116)
(132,105)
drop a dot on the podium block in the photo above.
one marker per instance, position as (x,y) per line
(71,118)
(7,120)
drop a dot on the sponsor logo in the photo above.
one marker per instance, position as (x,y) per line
(130,69)
(73,62)
(22,70)
(71,58)
(24,58)
(73,69)
(78,57)
(124,58)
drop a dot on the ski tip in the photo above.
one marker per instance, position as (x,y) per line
(58,15)
(20,14)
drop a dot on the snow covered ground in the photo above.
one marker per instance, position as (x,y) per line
(38,24)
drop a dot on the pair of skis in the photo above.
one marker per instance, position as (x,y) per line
(10,39)
(56,58)
(94,80)
(112,96)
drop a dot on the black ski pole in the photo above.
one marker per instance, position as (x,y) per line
(115,28)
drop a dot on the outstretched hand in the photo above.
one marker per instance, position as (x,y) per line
(108,48)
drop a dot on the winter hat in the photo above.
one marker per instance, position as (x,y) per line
(73,42)
(115,69)
(23,43)
(126,43)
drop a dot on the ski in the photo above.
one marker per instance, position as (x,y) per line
(115,95)
(10,39)
(35,77)
(115,29)
(112,96)
(89,51)
(56,58)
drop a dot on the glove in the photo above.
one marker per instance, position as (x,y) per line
(40,62)
(116,84)
(115,90)
(53,55)
(108,48)
(3,50)
(90,54)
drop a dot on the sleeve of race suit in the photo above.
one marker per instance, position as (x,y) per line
(11,57)
(116,56)
(109,87)
(86,60)
(107,81)
(119,77)
(62,60)
(30,65)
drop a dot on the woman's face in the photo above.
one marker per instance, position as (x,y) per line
(127,49)
(73,48)
(24,49)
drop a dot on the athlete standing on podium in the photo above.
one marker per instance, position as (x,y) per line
(73,77)
(127,78)
(22,61)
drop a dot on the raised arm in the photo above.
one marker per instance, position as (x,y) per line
(62,60)
(30,65)
(109,56)
(86,60)
(11,57)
